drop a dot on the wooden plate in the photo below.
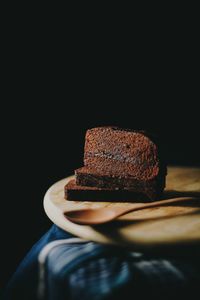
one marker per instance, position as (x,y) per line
(153,228)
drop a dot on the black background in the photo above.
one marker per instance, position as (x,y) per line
(55,91)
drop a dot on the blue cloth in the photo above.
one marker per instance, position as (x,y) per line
(25,280)
(93,271)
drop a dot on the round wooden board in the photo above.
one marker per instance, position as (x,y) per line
(159,227)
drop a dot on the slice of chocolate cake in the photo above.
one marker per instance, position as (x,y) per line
(118,158)
(85,193)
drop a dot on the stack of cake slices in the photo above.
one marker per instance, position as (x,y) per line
(119,165)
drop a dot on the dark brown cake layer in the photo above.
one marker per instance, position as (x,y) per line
(122,158)
(90,177)
(75,192)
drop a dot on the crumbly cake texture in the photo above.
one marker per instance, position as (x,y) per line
(122,158)
(87,193)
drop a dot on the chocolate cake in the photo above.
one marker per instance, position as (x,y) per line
(123,159)
(86,193)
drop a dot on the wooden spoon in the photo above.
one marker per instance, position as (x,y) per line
(104,215)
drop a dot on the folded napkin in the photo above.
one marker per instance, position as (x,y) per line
(61,267)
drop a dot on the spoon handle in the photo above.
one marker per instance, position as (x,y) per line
(121,211)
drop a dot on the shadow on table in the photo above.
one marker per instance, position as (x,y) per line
(175,194)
